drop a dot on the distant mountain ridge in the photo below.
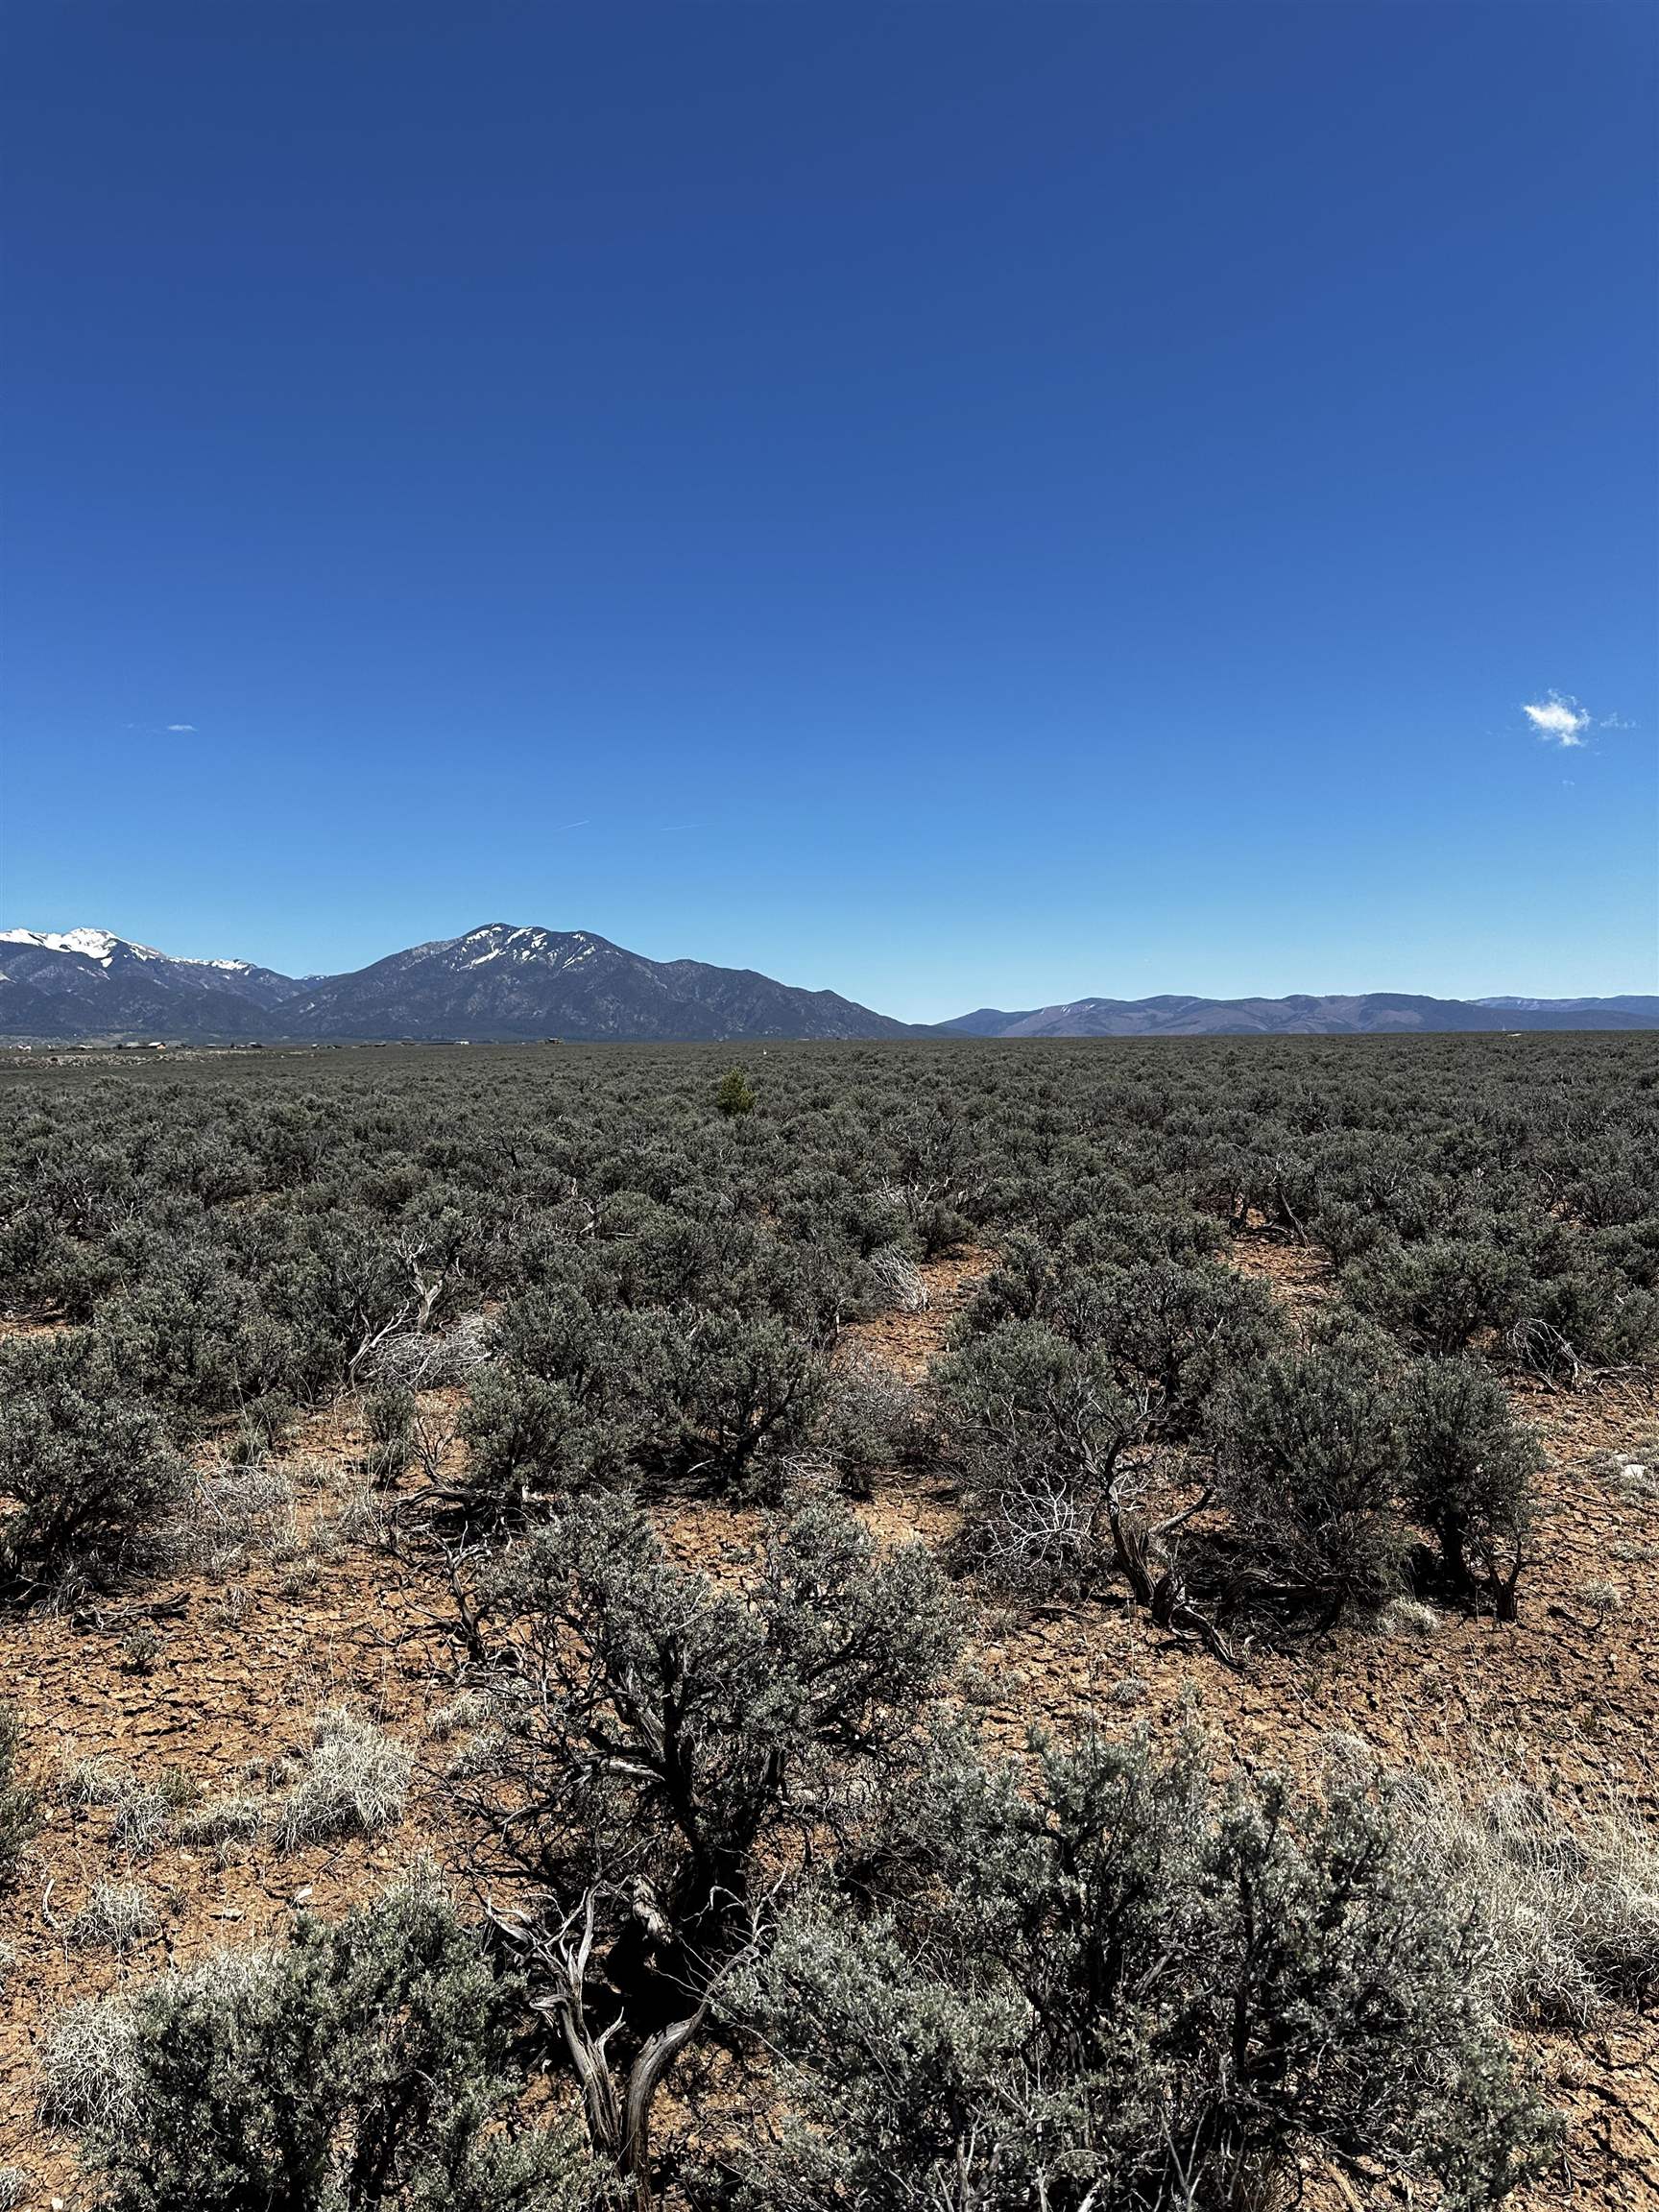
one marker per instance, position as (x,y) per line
(504,981)
(1370,1014)
(1632,1002)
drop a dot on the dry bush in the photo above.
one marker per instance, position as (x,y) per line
(1037,1534)
(352,1781)
(415,1361)
(897,1279)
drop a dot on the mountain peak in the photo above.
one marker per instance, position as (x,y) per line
(99,945)
(522,942)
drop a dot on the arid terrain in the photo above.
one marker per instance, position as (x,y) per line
(312,1581)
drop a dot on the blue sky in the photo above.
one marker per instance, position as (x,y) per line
(960,504)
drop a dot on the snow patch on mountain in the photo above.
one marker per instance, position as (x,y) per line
(99,945)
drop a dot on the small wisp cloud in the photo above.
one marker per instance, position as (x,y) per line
(1557,718)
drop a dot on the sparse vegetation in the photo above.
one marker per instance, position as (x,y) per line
(1211,1374)
(142,1808)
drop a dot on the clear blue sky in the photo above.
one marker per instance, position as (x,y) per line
(959,504)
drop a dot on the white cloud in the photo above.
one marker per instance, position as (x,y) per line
(179,728)
(1558,719)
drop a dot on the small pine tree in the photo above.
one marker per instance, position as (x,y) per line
(734,1096)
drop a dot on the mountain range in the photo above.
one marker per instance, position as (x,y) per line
(1372,1013)
(504,981)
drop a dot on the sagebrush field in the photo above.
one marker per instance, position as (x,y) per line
(988,1627)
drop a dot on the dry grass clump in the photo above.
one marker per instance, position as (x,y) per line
(94,1781)
(88,2072)
(468,1710)
(143,1811)
(15,2187)
(223,1820)
(238,1506)
(365,1517)
(115,1917)
(1408,1617)
(1568,1900)
(352,1781)
(90,2068)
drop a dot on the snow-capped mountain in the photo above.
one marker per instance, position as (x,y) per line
(503,980)
(89,983)
(84,960)
(500,982)
(99,945)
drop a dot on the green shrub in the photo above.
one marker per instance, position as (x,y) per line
(574,1398)
(1037,1429)
(1439,1297)
(668,1755)
(86,1464)
(744,1391)
(1129,1985)
(734,1096)
(389,1423)
(1470,1470)
(1308,1456)
(364,2067)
